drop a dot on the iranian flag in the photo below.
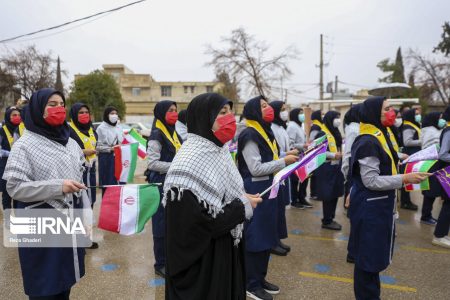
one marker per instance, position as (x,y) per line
(126,209)
(415,167)
(304,171)
(134,137)
(125,162)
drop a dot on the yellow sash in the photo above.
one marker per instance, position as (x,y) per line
(173,139)
(375,132)
(317,122)
(272,145)
(331,140)
(393,140)
(8,136)
(89,142)
(448,124)
(21,128)
(413,126)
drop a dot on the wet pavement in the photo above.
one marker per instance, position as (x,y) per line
(122,267)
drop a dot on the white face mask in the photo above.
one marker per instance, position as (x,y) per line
(398,122)
(113,118)
(284,115)
(337,123)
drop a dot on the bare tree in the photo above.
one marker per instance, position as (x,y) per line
(434,73)
(28,70)
(246,60)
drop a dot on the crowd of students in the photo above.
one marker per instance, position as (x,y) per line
(213,233)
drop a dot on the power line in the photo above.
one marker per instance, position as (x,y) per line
(71,22)
(60,31)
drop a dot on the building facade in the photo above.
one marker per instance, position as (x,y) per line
(141,92)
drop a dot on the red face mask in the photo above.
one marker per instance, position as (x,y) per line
(268,114)
(84,118)
(227,128)
(55,116)
(15,120)
(389,118)
(171,117)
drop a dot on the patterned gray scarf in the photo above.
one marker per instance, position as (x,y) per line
(209,172)
(37,158)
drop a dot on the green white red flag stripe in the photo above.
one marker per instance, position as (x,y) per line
(134,137)
(415,167)
(125,158)
(304,171)
(126,209)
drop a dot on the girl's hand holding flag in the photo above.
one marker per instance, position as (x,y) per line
(415,178)
(254,199)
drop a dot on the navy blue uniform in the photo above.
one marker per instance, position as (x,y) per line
(261,233)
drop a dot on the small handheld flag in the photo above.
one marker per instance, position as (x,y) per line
(287,171)
(429,153)
(134,137)
(419,166)
(126,209)
(443,176)
(125,157)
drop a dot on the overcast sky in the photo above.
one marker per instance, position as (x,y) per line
(167,39)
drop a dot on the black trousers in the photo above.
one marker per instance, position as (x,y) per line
(256,264)
(405,197)
(329,210)
(366,285)
(313,186)
(298,189)
(61,296)
(443,223)
(427,207)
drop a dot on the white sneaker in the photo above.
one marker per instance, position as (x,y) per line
(447,237)
(442,242)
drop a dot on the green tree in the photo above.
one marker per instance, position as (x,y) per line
(228,88)
(58,84)
(98,90)
(396,69)
(444,44)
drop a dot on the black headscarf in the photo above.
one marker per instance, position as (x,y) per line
(317,115)
(328,122)
(277,105)
(293,116)
(74,110)
(446,114)
(252,111)
(369,113)
(11,127)
(182,116)
(160,110)
(410,115)
(106,113)
(431,119)
(202,113)
(34,120)
(352,115)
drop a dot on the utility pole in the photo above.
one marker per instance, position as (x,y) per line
(321,68)
(335,84)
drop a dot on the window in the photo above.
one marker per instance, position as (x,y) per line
(192,89)
(166,91)
(209,88)
(136,92)
(186,89)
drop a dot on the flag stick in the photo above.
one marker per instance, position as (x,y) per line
(269,188)
(111,185)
